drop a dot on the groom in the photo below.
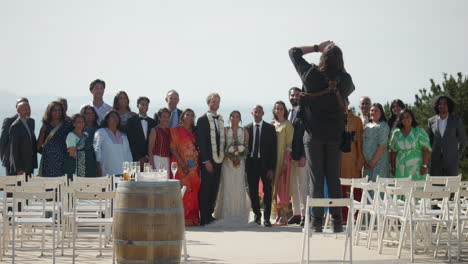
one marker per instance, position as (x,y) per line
(210,140)
(260,163)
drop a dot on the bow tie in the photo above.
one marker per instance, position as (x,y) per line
(144,118)
(215,117)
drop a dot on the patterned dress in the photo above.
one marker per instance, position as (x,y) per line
(55,150)
(281,180)
(409,152)
(184,141)
(375,135)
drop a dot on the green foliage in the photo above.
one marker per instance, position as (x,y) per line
(455,87)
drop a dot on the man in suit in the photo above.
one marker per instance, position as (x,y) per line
(260,163)
(23,153)
(210,140)
(5,138)
(447,136)
(138,131)
(172,100)
(299,181)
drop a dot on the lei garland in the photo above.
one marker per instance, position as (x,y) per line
(217,158)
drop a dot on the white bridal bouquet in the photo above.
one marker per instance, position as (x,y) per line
(236,152)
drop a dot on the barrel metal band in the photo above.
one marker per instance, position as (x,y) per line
(148,243)
(127,190)
(169,183)
(149,211)
(149,261)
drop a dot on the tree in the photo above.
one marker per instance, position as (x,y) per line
(457,89)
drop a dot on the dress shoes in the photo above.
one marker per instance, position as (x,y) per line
(295,219)
(211,219)
(317,224)
(258,219)
(302,221)
(267,223)
(337,225)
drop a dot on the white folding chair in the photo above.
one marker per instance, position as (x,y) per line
(21,194)
(393,215)
(461,217)
(348,232)
(419,222)
(366,210)
(7,202)
(104,219)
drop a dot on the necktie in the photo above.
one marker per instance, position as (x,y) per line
(257,141)
(215,119)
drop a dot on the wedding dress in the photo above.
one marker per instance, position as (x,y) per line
(232,206)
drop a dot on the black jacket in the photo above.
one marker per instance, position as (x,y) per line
(267,144)
(136,136)
(23,152)
(298,150)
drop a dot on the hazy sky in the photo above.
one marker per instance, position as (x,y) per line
(237,48)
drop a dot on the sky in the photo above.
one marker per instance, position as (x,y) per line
(237,48)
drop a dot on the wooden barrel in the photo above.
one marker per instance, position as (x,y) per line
(148,222)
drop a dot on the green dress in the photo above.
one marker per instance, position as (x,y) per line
(409,157)
(375,135)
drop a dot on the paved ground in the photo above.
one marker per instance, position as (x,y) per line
(250,244)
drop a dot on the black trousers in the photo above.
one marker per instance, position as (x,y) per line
(324,162)
(256,170)
(208,191)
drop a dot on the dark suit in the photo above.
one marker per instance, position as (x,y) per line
(23,153)
(156,117)
(4,142)
(257,168)
(298,150)
(136,136)
(209,181)
(447,150)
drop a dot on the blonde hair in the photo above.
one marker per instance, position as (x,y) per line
(211,96)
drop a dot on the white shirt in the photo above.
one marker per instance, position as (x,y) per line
(110,155)
(144,125)
(101,111)
(293,113)
(215,121)
(254,128)
(442,125)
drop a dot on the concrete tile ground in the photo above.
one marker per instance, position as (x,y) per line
(249,244)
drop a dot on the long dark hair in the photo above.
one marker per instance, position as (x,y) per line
(47,117)
(414,123)
(104,122)
(393,117)
(382,113)
(236,112)
(192,126)
(88,107)
(450,103)
(285,115)
(331,61)
(116,101)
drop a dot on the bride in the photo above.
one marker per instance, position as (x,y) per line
(232,207)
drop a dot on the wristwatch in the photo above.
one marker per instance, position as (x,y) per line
(316,48)
(424,166)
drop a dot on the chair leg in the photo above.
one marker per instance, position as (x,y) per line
(357,228)
(13,241)
(371,231)
(402,237)
(43,241)
(381,235)
(53,242)
(74,229)
(411,241)
(100,240)
(449,243)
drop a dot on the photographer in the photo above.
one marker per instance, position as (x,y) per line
(325,88)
